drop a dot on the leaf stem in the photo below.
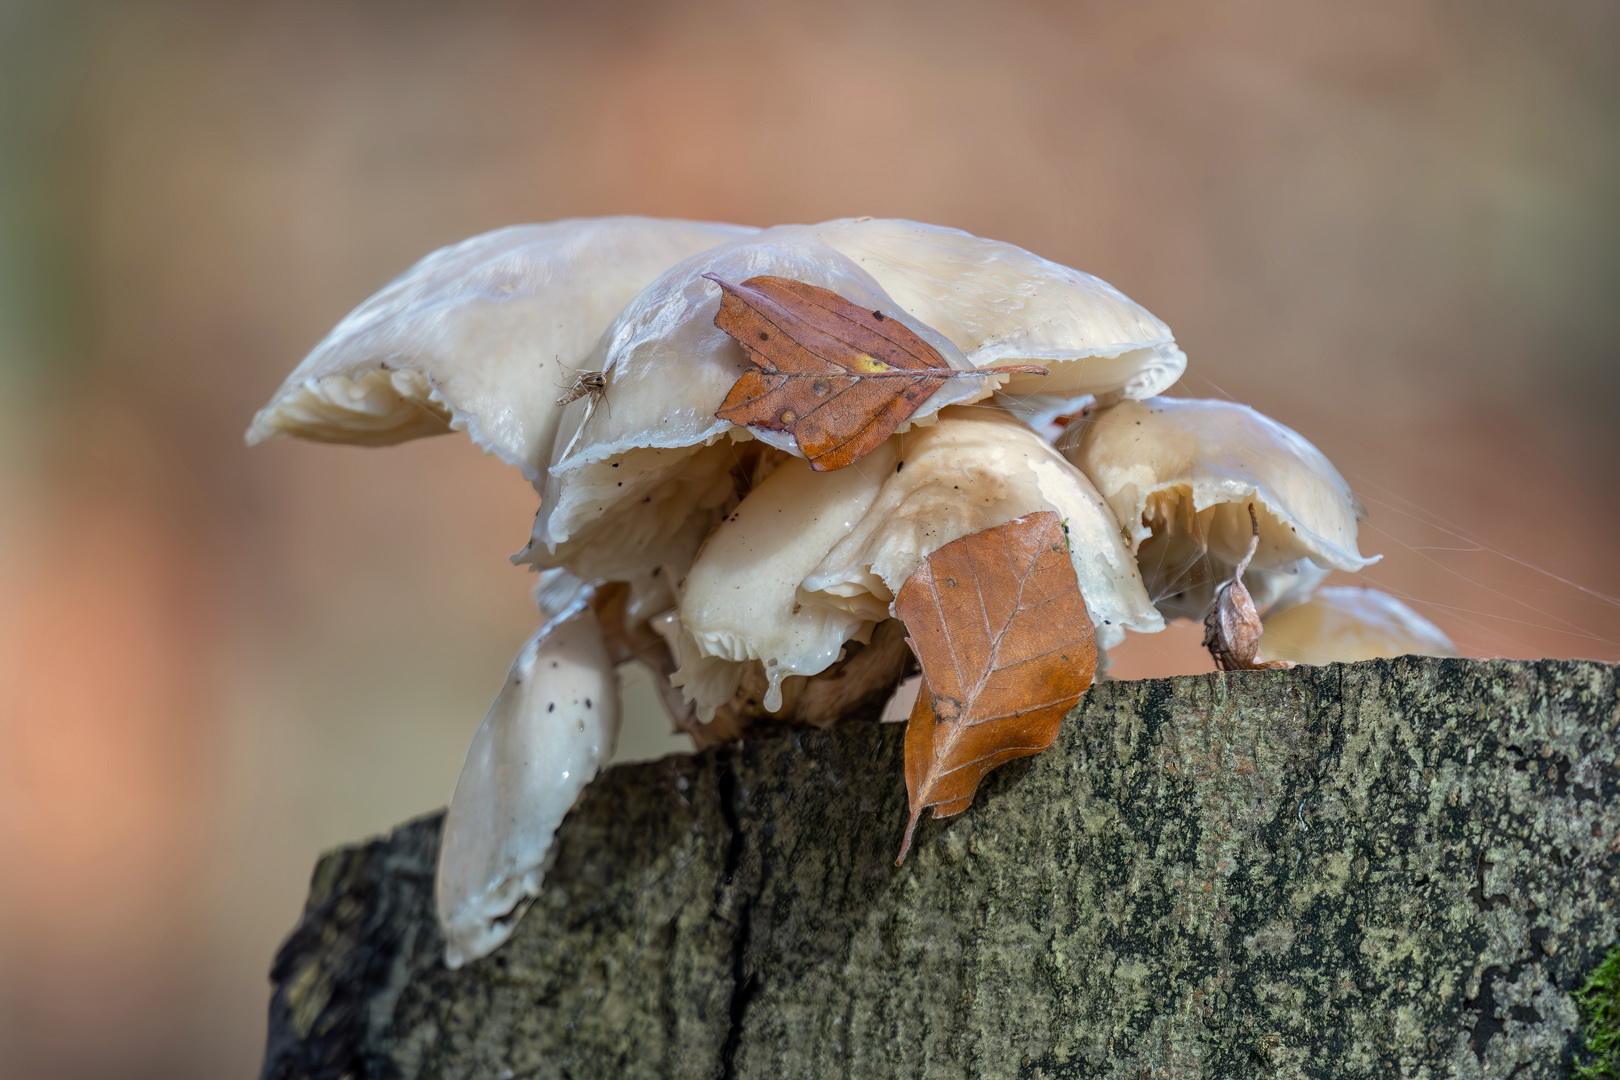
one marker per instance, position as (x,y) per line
(905,841)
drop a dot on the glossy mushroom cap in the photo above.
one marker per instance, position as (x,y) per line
(1180,474)
(483,335)
(1346,623)
(742,599)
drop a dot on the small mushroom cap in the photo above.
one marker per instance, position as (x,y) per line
(979,302)
(1180,473)
(483,335)
(975,469)
(741,600)
(552,727)
(1346,623)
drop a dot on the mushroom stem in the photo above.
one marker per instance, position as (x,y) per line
(552,727)
(1254,545)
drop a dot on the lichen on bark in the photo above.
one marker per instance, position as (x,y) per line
(1396,868)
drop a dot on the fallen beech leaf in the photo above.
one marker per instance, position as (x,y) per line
(1006,648)
(839,377)
(1232,625)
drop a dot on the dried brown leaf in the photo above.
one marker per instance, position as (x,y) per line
(839,377)
(1006,648)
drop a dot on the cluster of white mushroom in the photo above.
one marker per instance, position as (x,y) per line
(756,589)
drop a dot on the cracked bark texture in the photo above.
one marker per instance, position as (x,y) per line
(1395,868)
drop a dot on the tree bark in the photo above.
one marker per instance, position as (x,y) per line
(1395,868)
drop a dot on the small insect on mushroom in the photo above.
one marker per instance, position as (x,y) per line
(593,383)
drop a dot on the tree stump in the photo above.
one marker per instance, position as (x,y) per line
(1389,869)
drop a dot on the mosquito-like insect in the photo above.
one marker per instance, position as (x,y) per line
(586,382)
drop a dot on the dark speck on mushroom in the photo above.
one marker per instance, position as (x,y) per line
(899,465)
(552,707)
(587,703)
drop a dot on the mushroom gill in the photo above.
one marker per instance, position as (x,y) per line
(1181,473)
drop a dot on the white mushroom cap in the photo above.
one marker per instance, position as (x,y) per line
(980,302)
(1001,304)
(1346,623)
(480,335)
(552,727)
(975,469)
(1180,474)
(741,600)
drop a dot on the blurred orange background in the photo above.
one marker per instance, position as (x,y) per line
(1391,225)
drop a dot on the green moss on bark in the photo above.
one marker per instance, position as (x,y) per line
(1599,1000)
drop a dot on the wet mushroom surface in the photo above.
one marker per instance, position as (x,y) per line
(759,588)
